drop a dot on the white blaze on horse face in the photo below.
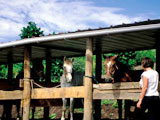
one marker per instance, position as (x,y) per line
(68,72)
(108,64)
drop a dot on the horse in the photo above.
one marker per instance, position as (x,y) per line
(37,74)
(69,79)
(115,71)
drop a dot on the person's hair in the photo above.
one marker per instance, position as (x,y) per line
(147,62)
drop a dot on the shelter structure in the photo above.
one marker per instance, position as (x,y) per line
(126,37)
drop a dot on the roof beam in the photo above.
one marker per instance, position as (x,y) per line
(60,48)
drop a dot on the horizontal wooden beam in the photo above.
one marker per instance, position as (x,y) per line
(127,95)
(120,85)
(11,95)
(127,90)
(51,93)
(115,95)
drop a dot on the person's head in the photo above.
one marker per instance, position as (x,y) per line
(147,62)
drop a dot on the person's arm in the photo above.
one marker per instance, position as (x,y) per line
(144,90)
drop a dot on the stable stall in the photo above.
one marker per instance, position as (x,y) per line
(126,37)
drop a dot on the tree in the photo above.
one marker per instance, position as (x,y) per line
(145,53)
(128,58)
(27,32)
(31,31)
(57,69)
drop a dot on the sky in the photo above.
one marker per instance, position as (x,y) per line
(71,15)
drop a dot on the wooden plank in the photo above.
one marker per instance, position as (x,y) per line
(119,91)
(11,95)
(120,86)
(88,99)
(50,93)
(27,88)
(115,95)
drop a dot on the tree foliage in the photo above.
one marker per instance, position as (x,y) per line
(145,53)
(57,69)
(128,58)
(31,31)
(3,71)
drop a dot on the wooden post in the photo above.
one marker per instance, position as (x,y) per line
(7,106)
(48,66)
(48,78)
(158,52)
(10,68)
(97,103)
(88,81)
(27,89)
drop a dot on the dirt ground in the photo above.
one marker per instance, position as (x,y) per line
(107,112)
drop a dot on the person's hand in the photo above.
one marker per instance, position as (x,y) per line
(139,104)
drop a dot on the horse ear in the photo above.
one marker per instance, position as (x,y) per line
(72,59)
(64,58)
(114,57)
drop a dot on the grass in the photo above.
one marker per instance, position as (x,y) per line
(53,116)
(114,103)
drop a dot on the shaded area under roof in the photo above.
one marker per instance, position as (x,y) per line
(125,37)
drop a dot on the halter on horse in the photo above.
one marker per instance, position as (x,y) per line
(69,79)
(116,71)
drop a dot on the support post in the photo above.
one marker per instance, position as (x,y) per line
(10,68)
(48,78)
(97,103)
(88,81)
(158,52)
(7,106)
(48,66)
(27,89)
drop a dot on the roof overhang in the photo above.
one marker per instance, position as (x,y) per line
(114,39)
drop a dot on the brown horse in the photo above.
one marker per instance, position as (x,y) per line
(37,74)
(115,71)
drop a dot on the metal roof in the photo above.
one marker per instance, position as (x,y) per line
(136,36)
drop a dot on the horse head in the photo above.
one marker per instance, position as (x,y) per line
(110,68)
(68,68)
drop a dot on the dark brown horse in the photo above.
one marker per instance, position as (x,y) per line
(115,71)
(37,74)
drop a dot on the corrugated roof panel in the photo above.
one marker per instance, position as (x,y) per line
(124,37)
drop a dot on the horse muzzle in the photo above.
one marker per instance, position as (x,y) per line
(109,80)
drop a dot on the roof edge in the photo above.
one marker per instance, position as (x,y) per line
(80,35)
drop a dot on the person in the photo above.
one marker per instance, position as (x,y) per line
(149,98)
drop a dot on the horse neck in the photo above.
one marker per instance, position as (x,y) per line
(77,79)
(122,74)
